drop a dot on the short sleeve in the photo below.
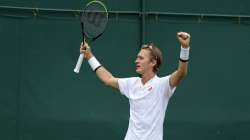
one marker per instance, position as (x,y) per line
(125,85)
(167,89)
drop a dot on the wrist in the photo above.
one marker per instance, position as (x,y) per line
(94,63)
(89,56)
(184,54)
(184,46)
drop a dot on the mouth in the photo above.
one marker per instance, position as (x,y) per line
(137,67)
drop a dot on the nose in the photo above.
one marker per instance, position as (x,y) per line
(136,61)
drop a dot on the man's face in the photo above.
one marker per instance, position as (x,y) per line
(143,62)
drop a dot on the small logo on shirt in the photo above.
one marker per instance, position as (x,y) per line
(150,88)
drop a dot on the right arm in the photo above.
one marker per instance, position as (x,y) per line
(104,75)
(107,78)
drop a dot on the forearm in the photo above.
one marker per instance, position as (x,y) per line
(104,75)
(179,74)
(182,69)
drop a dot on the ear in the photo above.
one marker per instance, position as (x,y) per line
(154,62)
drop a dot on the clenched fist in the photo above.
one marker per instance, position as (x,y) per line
(184,39)
(85,49)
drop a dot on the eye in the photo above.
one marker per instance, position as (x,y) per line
(140,57)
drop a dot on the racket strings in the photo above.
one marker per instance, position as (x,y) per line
(95,18)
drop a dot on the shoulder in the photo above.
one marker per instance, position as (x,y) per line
(129,79)
(164,83)
(125,84)
(164,79)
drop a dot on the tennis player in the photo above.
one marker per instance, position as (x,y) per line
(148,94)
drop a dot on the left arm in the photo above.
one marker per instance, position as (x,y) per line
(177,76)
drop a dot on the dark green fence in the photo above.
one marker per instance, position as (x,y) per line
(42,98)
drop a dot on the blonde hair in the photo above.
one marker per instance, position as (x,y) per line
(156,55)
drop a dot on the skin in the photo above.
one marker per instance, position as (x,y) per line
(144,65)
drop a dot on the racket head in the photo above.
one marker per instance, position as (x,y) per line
(94,19)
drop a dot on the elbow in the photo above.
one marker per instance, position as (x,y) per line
(181,76)
(178,78)
(108,81)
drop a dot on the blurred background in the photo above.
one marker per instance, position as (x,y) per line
(42,98)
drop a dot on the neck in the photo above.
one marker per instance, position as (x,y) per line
(147,76)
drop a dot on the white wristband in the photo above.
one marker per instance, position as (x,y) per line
(94,63)
(184,54)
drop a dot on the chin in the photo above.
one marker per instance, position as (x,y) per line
(138,71)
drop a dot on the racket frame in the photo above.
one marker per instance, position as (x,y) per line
(81,56)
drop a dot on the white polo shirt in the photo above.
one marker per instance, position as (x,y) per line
(148,104)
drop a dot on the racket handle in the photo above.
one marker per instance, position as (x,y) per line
(79,63)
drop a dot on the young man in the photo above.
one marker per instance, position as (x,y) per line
(149,94)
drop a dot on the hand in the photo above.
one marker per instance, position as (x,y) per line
(184,39)
(85,49)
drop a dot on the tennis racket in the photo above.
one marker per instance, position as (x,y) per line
(94,19)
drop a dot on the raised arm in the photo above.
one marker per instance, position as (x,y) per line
(181,72)
(104,75)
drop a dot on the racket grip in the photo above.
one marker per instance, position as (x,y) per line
(79,63)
